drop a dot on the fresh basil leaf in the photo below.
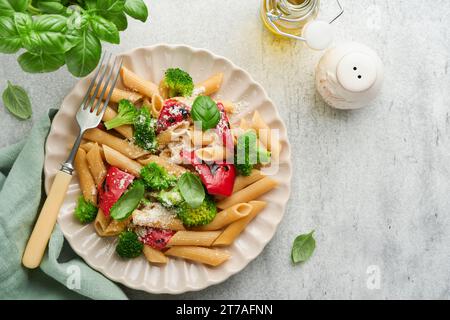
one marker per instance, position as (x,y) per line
(85,55)
(9,36)
(119,19)
(51,7)
(128,202)
(303,248)
(136,9)
(105,29)
(40,62)
(111,6)
(9,7)
(205,110)
(46,33)
(17,102)
(191,189)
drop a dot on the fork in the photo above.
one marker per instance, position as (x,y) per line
(88,116)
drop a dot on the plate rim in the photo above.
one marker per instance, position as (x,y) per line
(50,172)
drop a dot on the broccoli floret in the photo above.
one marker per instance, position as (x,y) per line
(248,153)
(199,216)
(85,210)
(156,177)
(170,198)
(145,130)
(178,82)
(127,113)
(129,245)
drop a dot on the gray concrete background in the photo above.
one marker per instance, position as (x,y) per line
(373,183)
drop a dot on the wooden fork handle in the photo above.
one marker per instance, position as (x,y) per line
(46,221)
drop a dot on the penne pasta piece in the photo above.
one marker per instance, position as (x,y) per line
(211,85)
(244,125)
(201,138)
(193,238)
(117,159)
(209,154)
(212,257)
(228,106)
(121,145)
(231,232)
(154,256)
(116,227)
(119,94)
(241,182)
(173,133)
(163,89)
(265,135)
(125,130)
(249,193)
(172,168)
(87,146)
(155,106)
(227,216)
(87,184)
(101,223)
(96,165)
(136,83)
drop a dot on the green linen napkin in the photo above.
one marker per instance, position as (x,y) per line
(20,199)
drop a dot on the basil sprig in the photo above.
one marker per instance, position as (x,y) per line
(17,102)
(58,32)
(205,110)
(303,248)
(191,189)
(128,202)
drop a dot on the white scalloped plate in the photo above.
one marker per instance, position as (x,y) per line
(177,276)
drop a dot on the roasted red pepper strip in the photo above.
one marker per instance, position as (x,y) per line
(116,183)
(172,113)
(218,178)
(157,238)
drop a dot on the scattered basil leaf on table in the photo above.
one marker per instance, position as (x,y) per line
(128,202)
(191,189)
(17,102)
(205,110)
(303,248)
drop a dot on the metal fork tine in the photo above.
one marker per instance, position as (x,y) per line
(112,88)
(105,87)
(93,81)
(99,83)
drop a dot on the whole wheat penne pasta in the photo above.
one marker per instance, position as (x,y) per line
(193,238)
(87,183)
(227,216)
(119,94)
(163,89)
(96,165)
(231,232)
(249,193)
(265,135)
(228,106)
(211,85)
(125,130)
(241,182)
(87,146)
(135,82)
(171,223)
(101,223)
(172,168)
(121,145)
(212,257)
(173,133)
(213,153)
(201,138)
(154,256)
(155,106)
(116,227)
(117,159)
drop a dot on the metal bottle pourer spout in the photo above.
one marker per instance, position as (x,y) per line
(317,34)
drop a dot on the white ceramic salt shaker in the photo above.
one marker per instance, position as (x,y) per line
(349,76)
